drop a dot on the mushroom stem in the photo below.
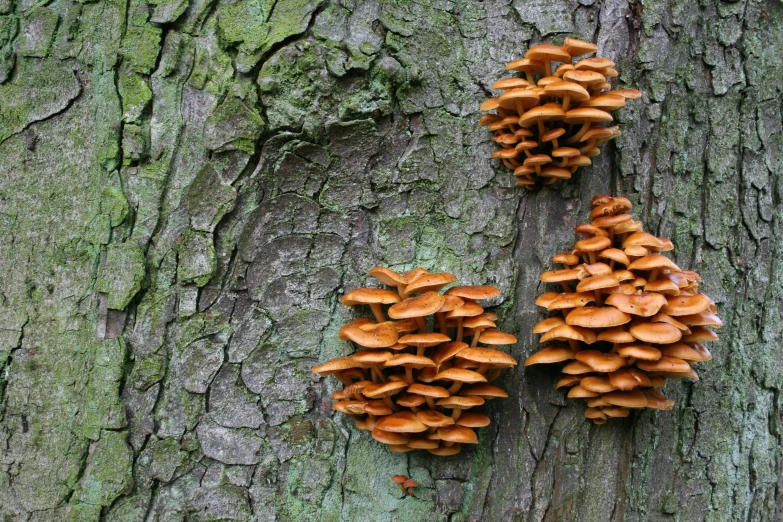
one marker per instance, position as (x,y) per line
(455,388)
(653,275)
(493,374)
(422,325)
(390,403)
(541,129)
(442,323)
(591,256)
(376,370)
(574,345)
(597,294)
(455,413)
(483,367)
(547,67)
(566,102)
(459,329)
(377,312)
(566,288)
(575,137)
(402,488)
(476,335)
(420,350)
(409,373)
(430,402)
(410,491)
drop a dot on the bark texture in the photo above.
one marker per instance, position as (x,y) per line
(187,187)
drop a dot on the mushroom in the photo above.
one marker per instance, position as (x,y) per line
(399,480)
(374,297)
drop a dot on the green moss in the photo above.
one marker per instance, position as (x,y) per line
(197,258)
(141,46)
(121,274)
(108,471)
(135,93)
(38,27)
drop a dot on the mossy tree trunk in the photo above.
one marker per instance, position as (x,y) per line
(187,187)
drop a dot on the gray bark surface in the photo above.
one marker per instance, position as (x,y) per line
(187,188)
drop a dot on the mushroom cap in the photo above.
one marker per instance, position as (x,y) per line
(576,47)
(496,337)
(388,437)
(362,321)
(556,276)
(381,335)
(565,152)
(370,296)
(596,384)
(594,63)
(489,104)
(665,364)
(611,221)
(349,407)
(584,77)
(599,361)
(571,300)
(553,134)
(364,358)
(568,380)
(410,401)
(459,434)
(703,351)
(644,239)
(399,479)
(561,89)
(615,411)
(656,400)
(556,173)
(592,244)
(538,159)
(478,321)
(460,402)
(566,259)
(527,97)
(605,101)
(509,83)
(409,359)
(577,392)
(616,335)
(567,332)
(392,278)
(541,113)
(547,324)
(656,333)
(483,390)
(685,352)
(434,419)
(335,365)
(645,304)
(629,378)
(459,375)
(547,298)
(564,68)
(487,119)
(429,282)
(427,391)
(700,334)
(599,133)
(596,414)
(405,325)
(447,351)
(548,52)
(469,309)
(640,351)
(596,283)
(446,451)
(663,318)
(425,304)
(474,292)
(490,356)
(378,391)
(576,368)
(419,442)
(473,420)
(401,422)
(597,269)
(451,302)
(590,230)
(653,261)
(630,94)
(424,339)
(594,317)
(626,399)
(526,65)
(377,408)
(686,304)
(584,115)
(551,354)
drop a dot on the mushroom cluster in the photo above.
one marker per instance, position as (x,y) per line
(643,317)
(549,123)
(421,363)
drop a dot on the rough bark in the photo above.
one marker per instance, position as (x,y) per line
(187,188)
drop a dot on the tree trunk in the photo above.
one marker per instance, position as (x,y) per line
(188,188)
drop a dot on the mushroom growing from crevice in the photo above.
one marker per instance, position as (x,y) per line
(423,361)
(554,112)
(626,319)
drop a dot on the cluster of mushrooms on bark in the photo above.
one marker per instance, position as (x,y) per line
(549,123)
(420,368)
(643,317)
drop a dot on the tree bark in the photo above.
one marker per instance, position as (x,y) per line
(188,187)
